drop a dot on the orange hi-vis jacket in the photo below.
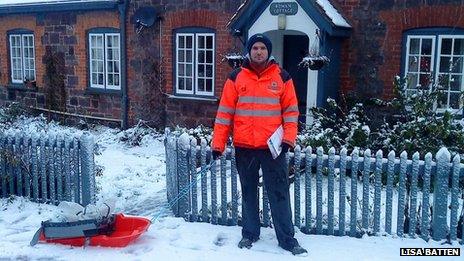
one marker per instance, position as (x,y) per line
(255,106)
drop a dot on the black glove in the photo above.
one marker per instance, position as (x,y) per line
(285,147)
(216,154)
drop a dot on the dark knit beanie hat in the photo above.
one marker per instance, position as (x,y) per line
(259,38)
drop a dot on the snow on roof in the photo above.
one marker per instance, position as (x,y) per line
(37,2)
(333,14)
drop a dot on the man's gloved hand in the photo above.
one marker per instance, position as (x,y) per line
(285,147)
(216,154)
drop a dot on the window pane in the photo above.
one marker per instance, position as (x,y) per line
(189,84)
(116,67)
(189,42)
(181,68)
(458,47)
(442,101)
(454,100)
(209,56)
(425,64)
(201,85)
(446,46)
(201,42)
(181,84)
(424,80)
(110,79)
(456,82)
(209,85)
(189,70)
(445,63)
(412,81)
(456,66)
(116,79)
(426,46)
(188,56)
(100,78)
(201,56)
(201,70)
(181,56)
(181,41)
(109,66)
(209,42)
(209,70)
(414,46)
(443,81)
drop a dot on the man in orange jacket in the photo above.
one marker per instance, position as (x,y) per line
(258,98)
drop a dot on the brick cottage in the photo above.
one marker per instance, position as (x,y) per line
(121,61)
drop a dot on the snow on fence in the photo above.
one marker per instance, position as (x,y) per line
(327,199)
(47,168)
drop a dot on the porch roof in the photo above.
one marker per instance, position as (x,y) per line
(322,12)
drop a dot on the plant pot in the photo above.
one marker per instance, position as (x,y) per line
(234,62)
(317,64)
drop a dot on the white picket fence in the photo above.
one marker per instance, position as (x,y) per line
(193,193)
(47,168)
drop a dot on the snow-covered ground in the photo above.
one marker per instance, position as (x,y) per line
(134,179)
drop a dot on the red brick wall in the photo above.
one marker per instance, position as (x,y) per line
(177,112)
(416,17)
(65,33)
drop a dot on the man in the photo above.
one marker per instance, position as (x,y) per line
(257,98)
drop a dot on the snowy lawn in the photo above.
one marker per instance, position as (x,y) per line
(134,179)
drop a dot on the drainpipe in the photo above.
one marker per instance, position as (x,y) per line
(123,5)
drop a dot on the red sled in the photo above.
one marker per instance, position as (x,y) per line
(125,230)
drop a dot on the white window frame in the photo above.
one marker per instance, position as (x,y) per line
(437,73)
(178,36)
(22,56)
(432,58)
(105,84)
(195,64)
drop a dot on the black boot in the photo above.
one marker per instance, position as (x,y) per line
(246,242)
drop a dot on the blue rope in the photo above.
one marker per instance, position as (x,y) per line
(184,191)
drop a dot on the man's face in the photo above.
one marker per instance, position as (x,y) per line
(259,53)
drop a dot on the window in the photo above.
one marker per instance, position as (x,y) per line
(436,57)
(194,65)
(104,61)
(22,57)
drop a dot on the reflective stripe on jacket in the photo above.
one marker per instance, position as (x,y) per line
(254,107)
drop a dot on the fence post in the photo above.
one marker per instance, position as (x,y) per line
(401,193)
(354,191)
(377,190)
(342,191)
(389,197)
(34,168)
(330,192)
(365,202)
(425,222)
(440,195)
(308,198)
(320,162)
(296,187)
(413,206)
(454,196)
(234,175)
(223,189)
(204,182)
(183,143)
(194,178)
(88,169)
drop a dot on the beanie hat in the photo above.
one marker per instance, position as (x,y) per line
(259,38)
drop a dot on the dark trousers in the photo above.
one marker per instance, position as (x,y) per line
(276,184)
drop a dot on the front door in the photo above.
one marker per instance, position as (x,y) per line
(295,48)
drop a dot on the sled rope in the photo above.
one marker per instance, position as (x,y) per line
(184,191)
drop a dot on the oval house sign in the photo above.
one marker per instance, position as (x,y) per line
(286,8)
